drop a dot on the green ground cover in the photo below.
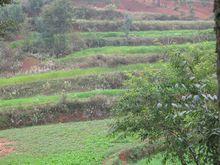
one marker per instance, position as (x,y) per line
(76,73)
(148,34)
(141,34)
(72,143)
(128,50)
(41,100)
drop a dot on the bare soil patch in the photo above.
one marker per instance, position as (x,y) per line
(167,7)
(6,147)
(29,63)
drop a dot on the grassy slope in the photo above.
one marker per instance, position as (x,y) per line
(142,34)
(127,50)
(74,73)
(153,22)
(148,34)
(41,100)
(73,143)
(70,143)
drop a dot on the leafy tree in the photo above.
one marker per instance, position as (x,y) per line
(127,25)
(57,18)
(3,25)
(11,16)
(55,22)
(176,107)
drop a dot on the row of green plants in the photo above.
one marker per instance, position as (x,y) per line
(93,107)
(35,42)
(147,34)
(55,75)
(128,50)
(70,143)
(106,25)
(29,102)
(70,85)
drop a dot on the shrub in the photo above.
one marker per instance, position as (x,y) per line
(9,59)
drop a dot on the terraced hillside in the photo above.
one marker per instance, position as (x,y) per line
(82,87)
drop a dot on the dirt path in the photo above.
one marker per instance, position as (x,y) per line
(6,147)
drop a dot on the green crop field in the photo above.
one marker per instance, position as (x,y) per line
(41,100)
(74,143)
(51,144)
(120,35)
(75,73)
(148,34)
(129,50)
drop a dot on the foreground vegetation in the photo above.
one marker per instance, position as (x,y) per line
(178,106)
(51,144)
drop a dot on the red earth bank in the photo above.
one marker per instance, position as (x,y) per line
(167,7)
(5,147)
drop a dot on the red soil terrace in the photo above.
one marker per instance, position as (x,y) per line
(167,7)
(5,147)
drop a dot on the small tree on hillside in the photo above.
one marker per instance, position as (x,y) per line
(3,25)
(56,21)
(11,16)
(127,25)
(57,17)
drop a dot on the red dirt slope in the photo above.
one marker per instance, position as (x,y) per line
(5,147)
(166,7)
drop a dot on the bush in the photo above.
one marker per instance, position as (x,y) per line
(9,59)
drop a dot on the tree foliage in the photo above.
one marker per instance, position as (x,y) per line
(11,16)
(3,2)
(33,7)
(55,22)
(176,106)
